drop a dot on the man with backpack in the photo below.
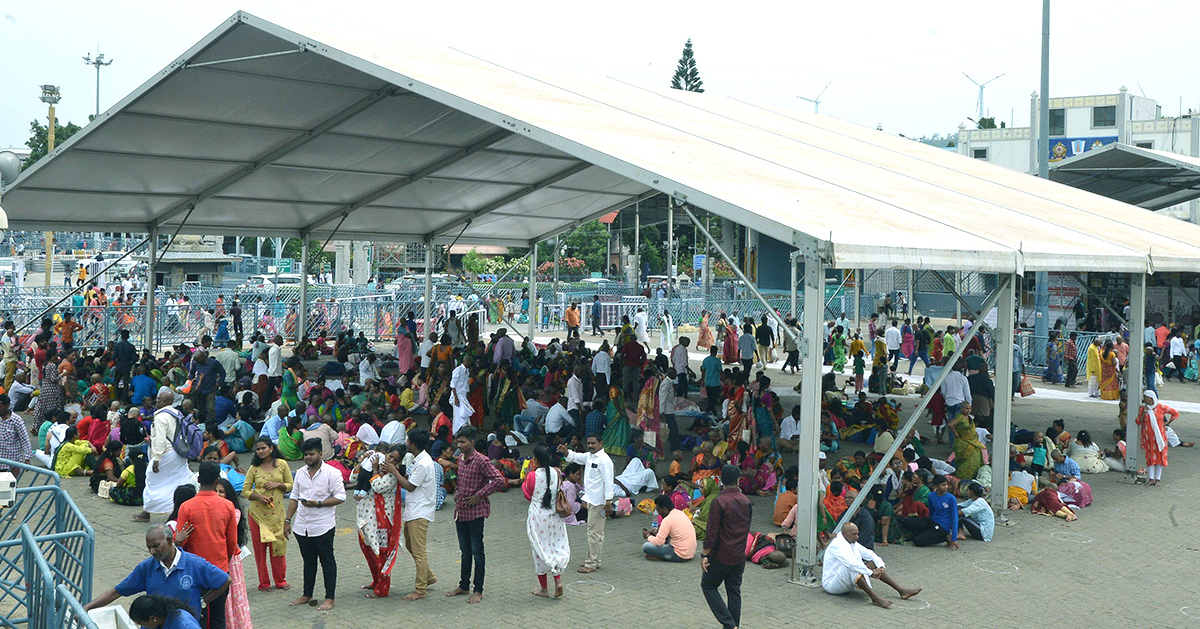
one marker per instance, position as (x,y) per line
(173,440)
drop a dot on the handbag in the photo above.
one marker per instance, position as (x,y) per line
(561,506)
(104,488)
(1026,386)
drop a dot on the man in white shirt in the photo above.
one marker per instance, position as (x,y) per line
(894,339)
(559,422)
(367,370)
(317,490)
(850,565)
(419,505)
(641,322)
(789,431)
(393,433)
(528,421)
(460,387)
(424,350)
(597,492)
(602,366)
(955,390)
(575,398)
(679,362)
(1179,353)
(275,363)
(666,409)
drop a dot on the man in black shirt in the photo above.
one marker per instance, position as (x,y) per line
(724,556)
(125,354)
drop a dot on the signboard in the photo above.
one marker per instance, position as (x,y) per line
(1062,148)
(698,261)
(285,265)
(597,275)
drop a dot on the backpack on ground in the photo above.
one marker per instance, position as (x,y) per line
(188,441)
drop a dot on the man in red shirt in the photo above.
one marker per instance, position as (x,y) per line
(724,557)
(207,527)
(477,479)
(633,358)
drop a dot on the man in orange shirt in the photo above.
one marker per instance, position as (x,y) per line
(66,329)
(207,525)
(572,320)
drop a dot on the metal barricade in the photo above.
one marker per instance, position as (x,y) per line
(46,554)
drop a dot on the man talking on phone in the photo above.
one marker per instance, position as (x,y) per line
(317,491)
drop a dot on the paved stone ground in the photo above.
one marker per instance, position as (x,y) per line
(1130,561)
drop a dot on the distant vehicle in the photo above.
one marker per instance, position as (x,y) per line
(598,281)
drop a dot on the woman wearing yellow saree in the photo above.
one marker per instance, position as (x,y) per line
(1110,381)
(968,450)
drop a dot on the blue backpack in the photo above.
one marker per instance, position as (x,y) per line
(188,441)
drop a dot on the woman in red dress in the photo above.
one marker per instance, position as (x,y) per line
(1152,425)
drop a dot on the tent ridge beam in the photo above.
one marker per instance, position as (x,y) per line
(511,198)
(276,154)
(408,180)
(280,79)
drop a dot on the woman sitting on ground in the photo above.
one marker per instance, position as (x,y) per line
(1087,454)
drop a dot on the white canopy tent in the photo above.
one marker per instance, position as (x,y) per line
(1143,177)
(262,130)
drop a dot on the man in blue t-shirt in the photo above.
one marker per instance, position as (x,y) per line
(710,368)
(169,572)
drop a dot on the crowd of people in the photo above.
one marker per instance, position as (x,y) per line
(451,413)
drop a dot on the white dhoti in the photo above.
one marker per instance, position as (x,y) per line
(159,495)
(1172,438)
(462,413)
(844,564)
(1094,386)
(636,478)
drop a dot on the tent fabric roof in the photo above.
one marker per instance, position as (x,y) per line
(1143,177)
(258,129)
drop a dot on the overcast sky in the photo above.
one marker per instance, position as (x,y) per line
(898,64)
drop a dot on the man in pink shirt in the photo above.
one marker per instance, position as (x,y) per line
(675,528)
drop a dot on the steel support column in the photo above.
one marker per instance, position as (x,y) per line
(302,308)
(1135,373)
(804,569)
(427,306)
(795,279)
(858,280)
(670,246)
(912,298)
(958,304)
(533,292)
(151,265)
(1002,408)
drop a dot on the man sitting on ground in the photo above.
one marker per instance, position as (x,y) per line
(848,565)
(675,528)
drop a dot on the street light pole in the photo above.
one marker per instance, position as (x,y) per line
(50,96)
(99,62)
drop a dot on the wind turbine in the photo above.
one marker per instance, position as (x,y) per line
(817,101)
(981,86)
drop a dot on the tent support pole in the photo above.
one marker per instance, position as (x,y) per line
(783,326)
(302,311)
(858,300)
(533,292)
(908,425)
(1135,373)
(958,305)
(151,265)
(795,270)
(1002,407)
(912,298)
(670,247)
(427,306)
(804,567)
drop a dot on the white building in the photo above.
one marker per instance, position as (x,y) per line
(1083,123)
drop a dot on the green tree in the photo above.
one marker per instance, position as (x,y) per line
(589,242)
(687,77)
(473,263)
(37,141)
